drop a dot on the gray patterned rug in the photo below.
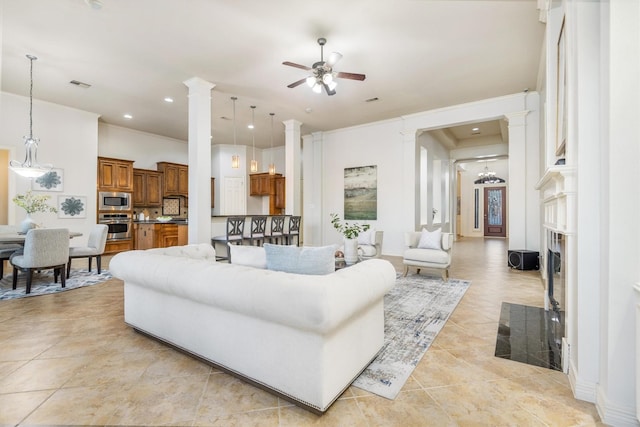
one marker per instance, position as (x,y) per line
(42,283)
(415,310)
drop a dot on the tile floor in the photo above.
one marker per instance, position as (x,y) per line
(68,359)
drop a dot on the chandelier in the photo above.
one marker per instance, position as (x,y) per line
(30,167)
(488,177)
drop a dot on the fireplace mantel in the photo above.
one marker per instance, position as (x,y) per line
(557,193)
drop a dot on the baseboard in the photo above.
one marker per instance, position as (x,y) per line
(615,415)
(582,390)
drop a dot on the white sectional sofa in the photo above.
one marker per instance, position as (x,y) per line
(303,337)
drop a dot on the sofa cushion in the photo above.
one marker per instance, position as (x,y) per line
(435,256)
(430,239)
(300,260)
(252,256)
(194,251)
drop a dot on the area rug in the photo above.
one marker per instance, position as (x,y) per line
(415,310)
(42,283)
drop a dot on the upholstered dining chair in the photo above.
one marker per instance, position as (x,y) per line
(293,230)
(256,232)
(94,249)
(44,249)
(276,231)
(234,234)
(6,249)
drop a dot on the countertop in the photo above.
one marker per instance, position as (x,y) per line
(154,221)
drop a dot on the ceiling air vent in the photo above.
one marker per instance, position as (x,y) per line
(81,84)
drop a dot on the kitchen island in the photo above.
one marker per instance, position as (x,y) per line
(160,234)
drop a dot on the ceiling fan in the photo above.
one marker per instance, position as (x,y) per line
(322,74)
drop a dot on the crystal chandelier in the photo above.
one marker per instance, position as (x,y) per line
(488,177)
(30,168)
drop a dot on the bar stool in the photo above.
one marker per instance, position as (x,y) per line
(235,230)
(256,232)
(277,229)
(294,230)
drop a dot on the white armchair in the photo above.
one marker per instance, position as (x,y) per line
(427,257)
(370,246)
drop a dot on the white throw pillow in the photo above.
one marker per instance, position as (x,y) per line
(305,260)
(252,256)
(367,237)
(430,239)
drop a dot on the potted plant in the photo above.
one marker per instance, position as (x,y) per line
(32,203)
(350,231)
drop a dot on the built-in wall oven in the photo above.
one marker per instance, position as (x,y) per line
(114,201)
(120,225)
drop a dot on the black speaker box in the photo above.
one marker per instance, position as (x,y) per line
(523,259)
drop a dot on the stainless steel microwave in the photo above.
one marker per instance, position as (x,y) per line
(114,201)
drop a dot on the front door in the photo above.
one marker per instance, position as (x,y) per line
(494,212)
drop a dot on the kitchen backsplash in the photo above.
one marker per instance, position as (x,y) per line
(172,207)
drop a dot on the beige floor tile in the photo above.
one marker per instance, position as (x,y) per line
(42,374)
(14,407)
(440,368)
(262,418)
(410,408)
(172,363)
(342,413)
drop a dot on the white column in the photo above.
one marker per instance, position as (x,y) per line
(517,185)
(199,160)
(410,211)
(312,224)
(293,161)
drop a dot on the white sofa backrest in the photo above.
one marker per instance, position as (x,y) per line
(194,251)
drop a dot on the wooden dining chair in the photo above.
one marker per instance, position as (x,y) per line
(44,249)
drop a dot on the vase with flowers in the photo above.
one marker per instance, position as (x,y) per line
(32,203)
(350,231)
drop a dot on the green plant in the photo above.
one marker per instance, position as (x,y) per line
(33,202)
(350,231)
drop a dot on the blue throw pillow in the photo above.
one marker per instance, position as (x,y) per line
(300,260)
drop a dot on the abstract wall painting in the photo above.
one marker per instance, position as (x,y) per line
(361,193)
(72,207)
(50,181)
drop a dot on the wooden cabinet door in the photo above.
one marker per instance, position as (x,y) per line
(183,181)
(153,189)
(213,192)
(280,185)
(144,236)
(171,180)
(166,235)
(183,235)
(115,174)
(138,188)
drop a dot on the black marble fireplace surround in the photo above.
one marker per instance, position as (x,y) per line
(530,335)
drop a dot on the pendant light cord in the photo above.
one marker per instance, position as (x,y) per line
(31,59)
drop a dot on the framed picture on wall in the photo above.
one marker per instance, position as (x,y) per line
(361,193)
(561,96)
(50,181)
(72,207)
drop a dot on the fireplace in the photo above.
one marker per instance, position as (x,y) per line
(555,271)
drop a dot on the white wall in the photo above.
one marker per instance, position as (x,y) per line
(68,140)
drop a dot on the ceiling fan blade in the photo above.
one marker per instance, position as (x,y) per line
(333,58)
(293,64)
(329,91)
(351,76)
(298,83)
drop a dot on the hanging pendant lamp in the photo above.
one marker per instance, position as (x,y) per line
(488,177)
(30,168)
(272,166)
(235,159)
(254,162)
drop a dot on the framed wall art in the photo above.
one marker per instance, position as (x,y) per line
(50,181)
(361,193)
(72,207)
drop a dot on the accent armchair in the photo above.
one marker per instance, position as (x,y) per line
(44,248)
(370,244)
(428,250)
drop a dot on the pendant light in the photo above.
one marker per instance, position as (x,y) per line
(30,167)
(272,166)
(235,159)
(254,162)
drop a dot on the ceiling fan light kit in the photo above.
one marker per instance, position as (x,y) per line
(322,74)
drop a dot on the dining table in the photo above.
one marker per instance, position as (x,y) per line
(17,237)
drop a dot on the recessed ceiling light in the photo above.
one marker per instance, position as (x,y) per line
(475,129)
(127,116)
(308,110)
(168,99)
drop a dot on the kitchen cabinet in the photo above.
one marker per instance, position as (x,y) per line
(115,174)
(147,188)
(183,234)
(175,179)
(155,235)
(263,184)
(115,246)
